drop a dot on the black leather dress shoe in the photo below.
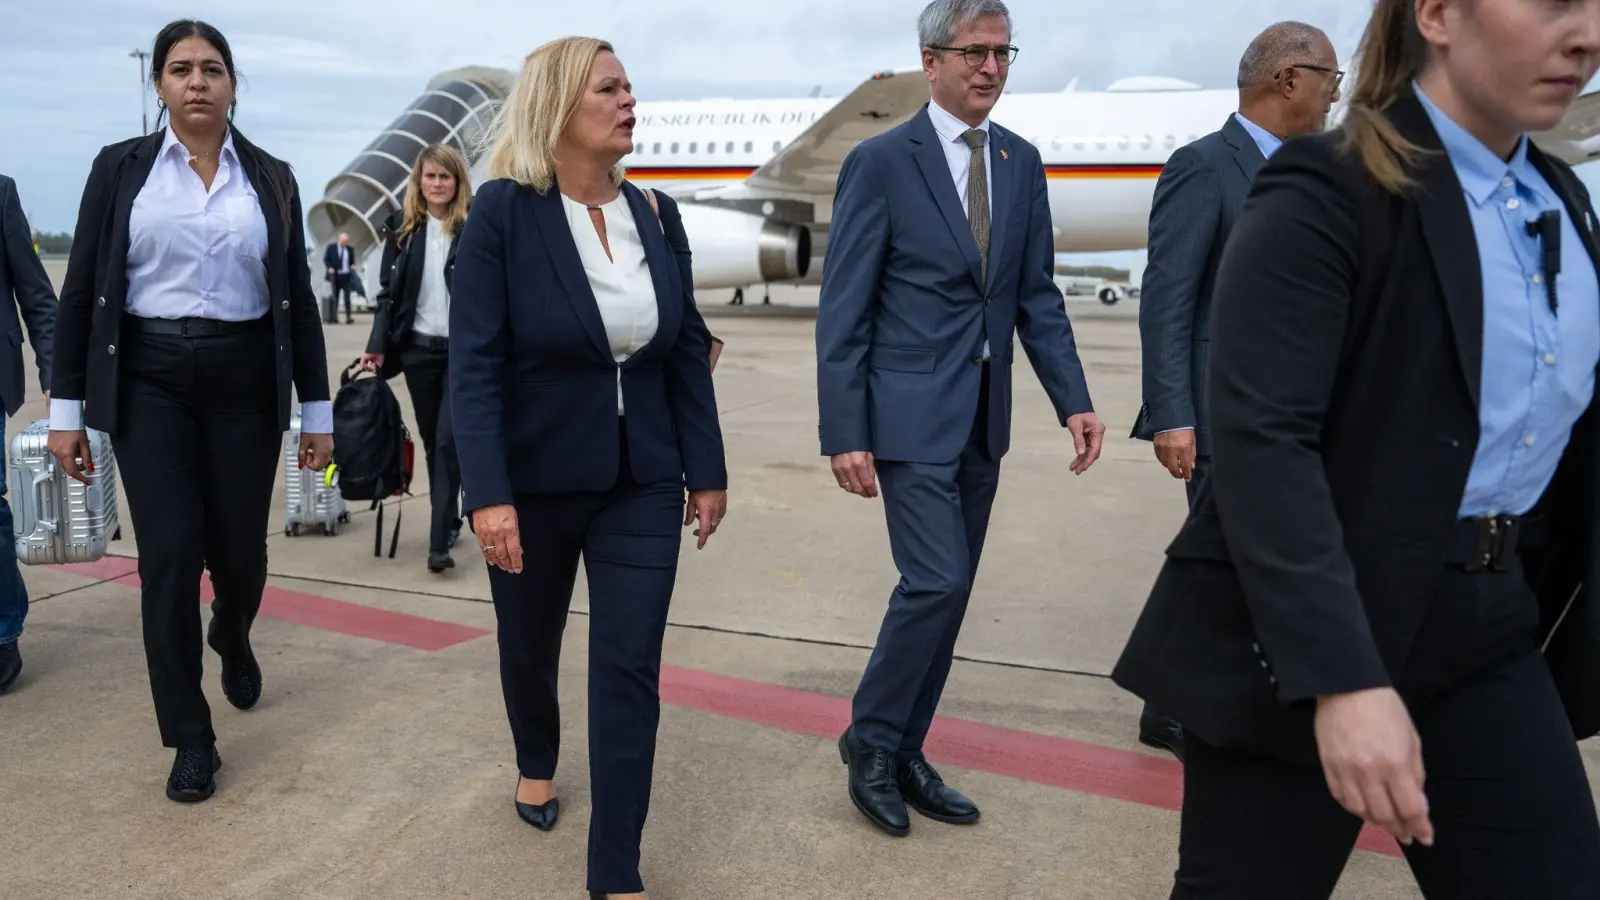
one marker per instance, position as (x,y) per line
(438,562)
(1160,732)
(926,792)
(241,674)
(10,664)
(454,535)
(193,775)
(540,815)
(872,785)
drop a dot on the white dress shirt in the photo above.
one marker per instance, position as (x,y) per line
(193,252)
(959,156)
(433,296)
(621,282)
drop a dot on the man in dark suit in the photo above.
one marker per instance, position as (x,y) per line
(1288,80)
(340,258)
(922,291)
(22,277)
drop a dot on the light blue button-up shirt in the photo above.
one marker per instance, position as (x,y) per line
(1538,366)
(1266,140)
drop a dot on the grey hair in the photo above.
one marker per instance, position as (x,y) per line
(1282,44)
(943,19)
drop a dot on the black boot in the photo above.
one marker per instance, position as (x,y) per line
(241,674)
(193,775)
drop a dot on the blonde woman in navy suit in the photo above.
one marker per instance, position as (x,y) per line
(580,386)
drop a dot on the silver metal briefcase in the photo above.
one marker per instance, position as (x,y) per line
(58,519)
(308,499)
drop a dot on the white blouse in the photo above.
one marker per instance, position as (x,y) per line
(196,252)
(433,296)
(621,282)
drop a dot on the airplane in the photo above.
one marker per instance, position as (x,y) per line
(754,179)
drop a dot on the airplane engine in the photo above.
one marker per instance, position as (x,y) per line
(736,249)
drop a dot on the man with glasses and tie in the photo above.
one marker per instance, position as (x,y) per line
(940,249)
(1288,80)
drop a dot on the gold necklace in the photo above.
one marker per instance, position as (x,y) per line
(195,157)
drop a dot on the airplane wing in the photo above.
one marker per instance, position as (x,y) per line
(1577,138)
(810,164)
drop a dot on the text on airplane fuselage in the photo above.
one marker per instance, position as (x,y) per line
(750,118)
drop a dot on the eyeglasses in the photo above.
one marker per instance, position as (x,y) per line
(1338,76)
(977,54)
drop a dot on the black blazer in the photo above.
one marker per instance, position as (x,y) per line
(533,384)
(89,320)
(330,260)
(400,279)
(1197,198)
(1346,353)
(22,276)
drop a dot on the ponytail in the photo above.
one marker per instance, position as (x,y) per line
(1391,54)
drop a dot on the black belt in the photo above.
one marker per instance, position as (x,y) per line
(1491,542)
(430,342)
(195,326)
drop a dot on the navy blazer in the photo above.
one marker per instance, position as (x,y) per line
(904,308)
(22,276)
(1198,196)
(533,384)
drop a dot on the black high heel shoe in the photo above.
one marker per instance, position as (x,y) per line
(540,815)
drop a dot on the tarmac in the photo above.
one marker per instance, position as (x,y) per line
(379,763)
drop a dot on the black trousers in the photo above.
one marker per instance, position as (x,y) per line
(628,538)
(340,285)
(426,367)
(197,451)
(1202,470)
(1508,796)
(1151,717)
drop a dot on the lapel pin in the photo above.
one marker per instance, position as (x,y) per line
(1003,153)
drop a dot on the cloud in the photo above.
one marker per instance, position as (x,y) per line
(322,77)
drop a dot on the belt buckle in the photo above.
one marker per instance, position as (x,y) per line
(1510,530)
(183,327)
(1497,541)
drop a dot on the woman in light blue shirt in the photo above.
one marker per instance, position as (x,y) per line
(1376,611)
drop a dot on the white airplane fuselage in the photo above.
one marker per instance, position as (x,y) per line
(1101,150)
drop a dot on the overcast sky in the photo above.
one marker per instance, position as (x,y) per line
(322,77)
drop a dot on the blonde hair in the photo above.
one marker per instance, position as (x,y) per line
(522,138)
(415,209)
(1392,53)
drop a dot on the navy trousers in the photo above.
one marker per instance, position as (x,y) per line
(13,592)
(937,517)
(628,538)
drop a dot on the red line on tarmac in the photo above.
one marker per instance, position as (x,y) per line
(1074,765)
(313,611)
(1059,762)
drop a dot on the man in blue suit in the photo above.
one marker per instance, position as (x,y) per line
(22,277)
(940,249)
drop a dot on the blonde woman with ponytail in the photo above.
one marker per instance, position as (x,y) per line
(1376,611)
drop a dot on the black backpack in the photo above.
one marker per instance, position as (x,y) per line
(372,449)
